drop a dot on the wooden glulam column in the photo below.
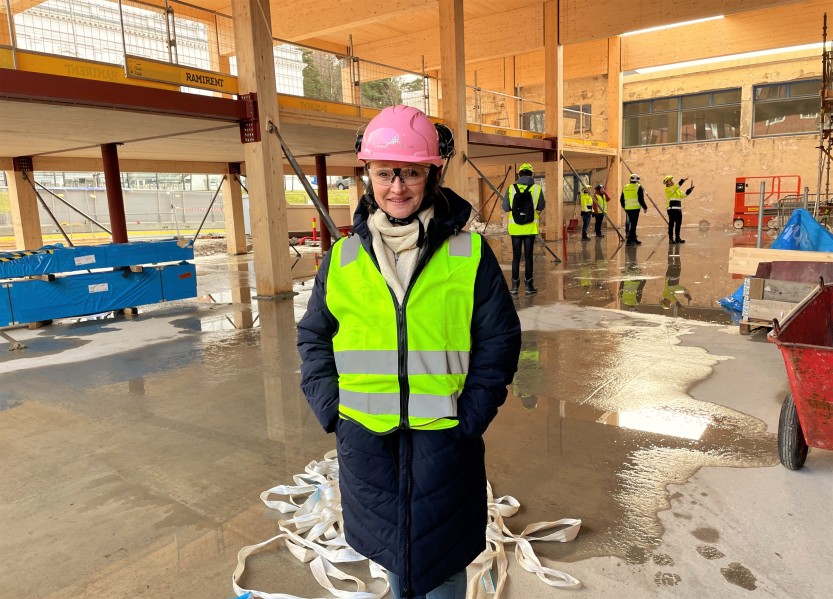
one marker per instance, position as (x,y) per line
(264,169)
(453,85)
(554,121)
(614,124)
(115,197)
(24,206)
(233,212)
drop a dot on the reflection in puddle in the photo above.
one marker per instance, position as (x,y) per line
(610,427)
(661,421)
(654,278)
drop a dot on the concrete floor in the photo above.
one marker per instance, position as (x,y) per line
(134,451)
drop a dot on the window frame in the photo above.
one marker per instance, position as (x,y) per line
(679,111)
(789,97)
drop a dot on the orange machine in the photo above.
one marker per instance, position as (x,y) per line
(748,194)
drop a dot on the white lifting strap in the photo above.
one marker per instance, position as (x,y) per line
(315,535)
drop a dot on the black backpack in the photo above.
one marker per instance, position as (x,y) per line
(523,206)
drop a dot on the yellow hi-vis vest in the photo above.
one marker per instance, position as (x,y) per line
(630,293)
(601,202)
(529,228)
(631,192)
(402,366)
(673,197)
(586,202)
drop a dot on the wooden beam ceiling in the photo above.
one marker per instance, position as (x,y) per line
(748,32)
(495,36)
(489,37)
(582,20)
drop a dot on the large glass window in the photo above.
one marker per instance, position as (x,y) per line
(786,108)
(580,115)
(533,121)
(679,119)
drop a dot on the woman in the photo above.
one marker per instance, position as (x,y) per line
(408,343)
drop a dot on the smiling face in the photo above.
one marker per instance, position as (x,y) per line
(397,199)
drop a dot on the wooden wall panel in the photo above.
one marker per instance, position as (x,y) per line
(735,34)
(529,68)
(582,21)
(585,59)
(580,60)
(488,74)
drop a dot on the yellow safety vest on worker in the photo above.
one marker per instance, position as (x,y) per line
(601,203)
(402,366)
(673,197)
(631,194)
(528,228)
(586,202)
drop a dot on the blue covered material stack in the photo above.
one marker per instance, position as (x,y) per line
(93,279)
(802,233)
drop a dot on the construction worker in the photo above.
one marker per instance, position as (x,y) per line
(408,344)
(600,207)
(523,234)
(586,200)
(632,198)
(674,206)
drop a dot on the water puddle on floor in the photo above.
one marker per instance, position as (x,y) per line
(598,423)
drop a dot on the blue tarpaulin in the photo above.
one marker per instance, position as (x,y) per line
(802,233)
(53,259)
(92,279)
(33,300)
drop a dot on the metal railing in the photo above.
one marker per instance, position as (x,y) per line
(584,125)
(145,210)
(503,111)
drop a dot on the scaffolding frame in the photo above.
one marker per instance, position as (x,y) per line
(825,146)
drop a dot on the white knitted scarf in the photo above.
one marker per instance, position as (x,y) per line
(396,248)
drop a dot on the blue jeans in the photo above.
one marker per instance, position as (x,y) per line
(585,223)
(453,588)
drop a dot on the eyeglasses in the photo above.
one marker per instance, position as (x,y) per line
(409,175)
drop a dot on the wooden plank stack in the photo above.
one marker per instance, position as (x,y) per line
(766,299)
(745,260)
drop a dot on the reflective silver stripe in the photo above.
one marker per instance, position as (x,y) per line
(387,362)
(432,406)
(419,406)
(438,362)
(370,403)
(350,249)
(675,208)
(460,245)
(367,362)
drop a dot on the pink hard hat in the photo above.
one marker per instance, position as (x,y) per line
(400,133)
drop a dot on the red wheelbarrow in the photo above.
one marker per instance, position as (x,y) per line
(805,339)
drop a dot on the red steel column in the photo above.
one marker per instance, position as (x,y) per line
(321,176)
(115,199)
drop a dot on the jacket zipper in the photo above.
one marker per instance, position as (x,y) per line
(404,390)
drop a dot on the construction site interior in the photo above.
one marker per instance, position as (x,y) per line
(137,438)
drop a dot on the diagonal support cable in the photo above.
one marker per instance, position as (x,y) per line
(45,207)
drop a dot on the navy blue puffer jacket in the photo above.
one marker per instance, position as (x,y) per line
(415,501)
